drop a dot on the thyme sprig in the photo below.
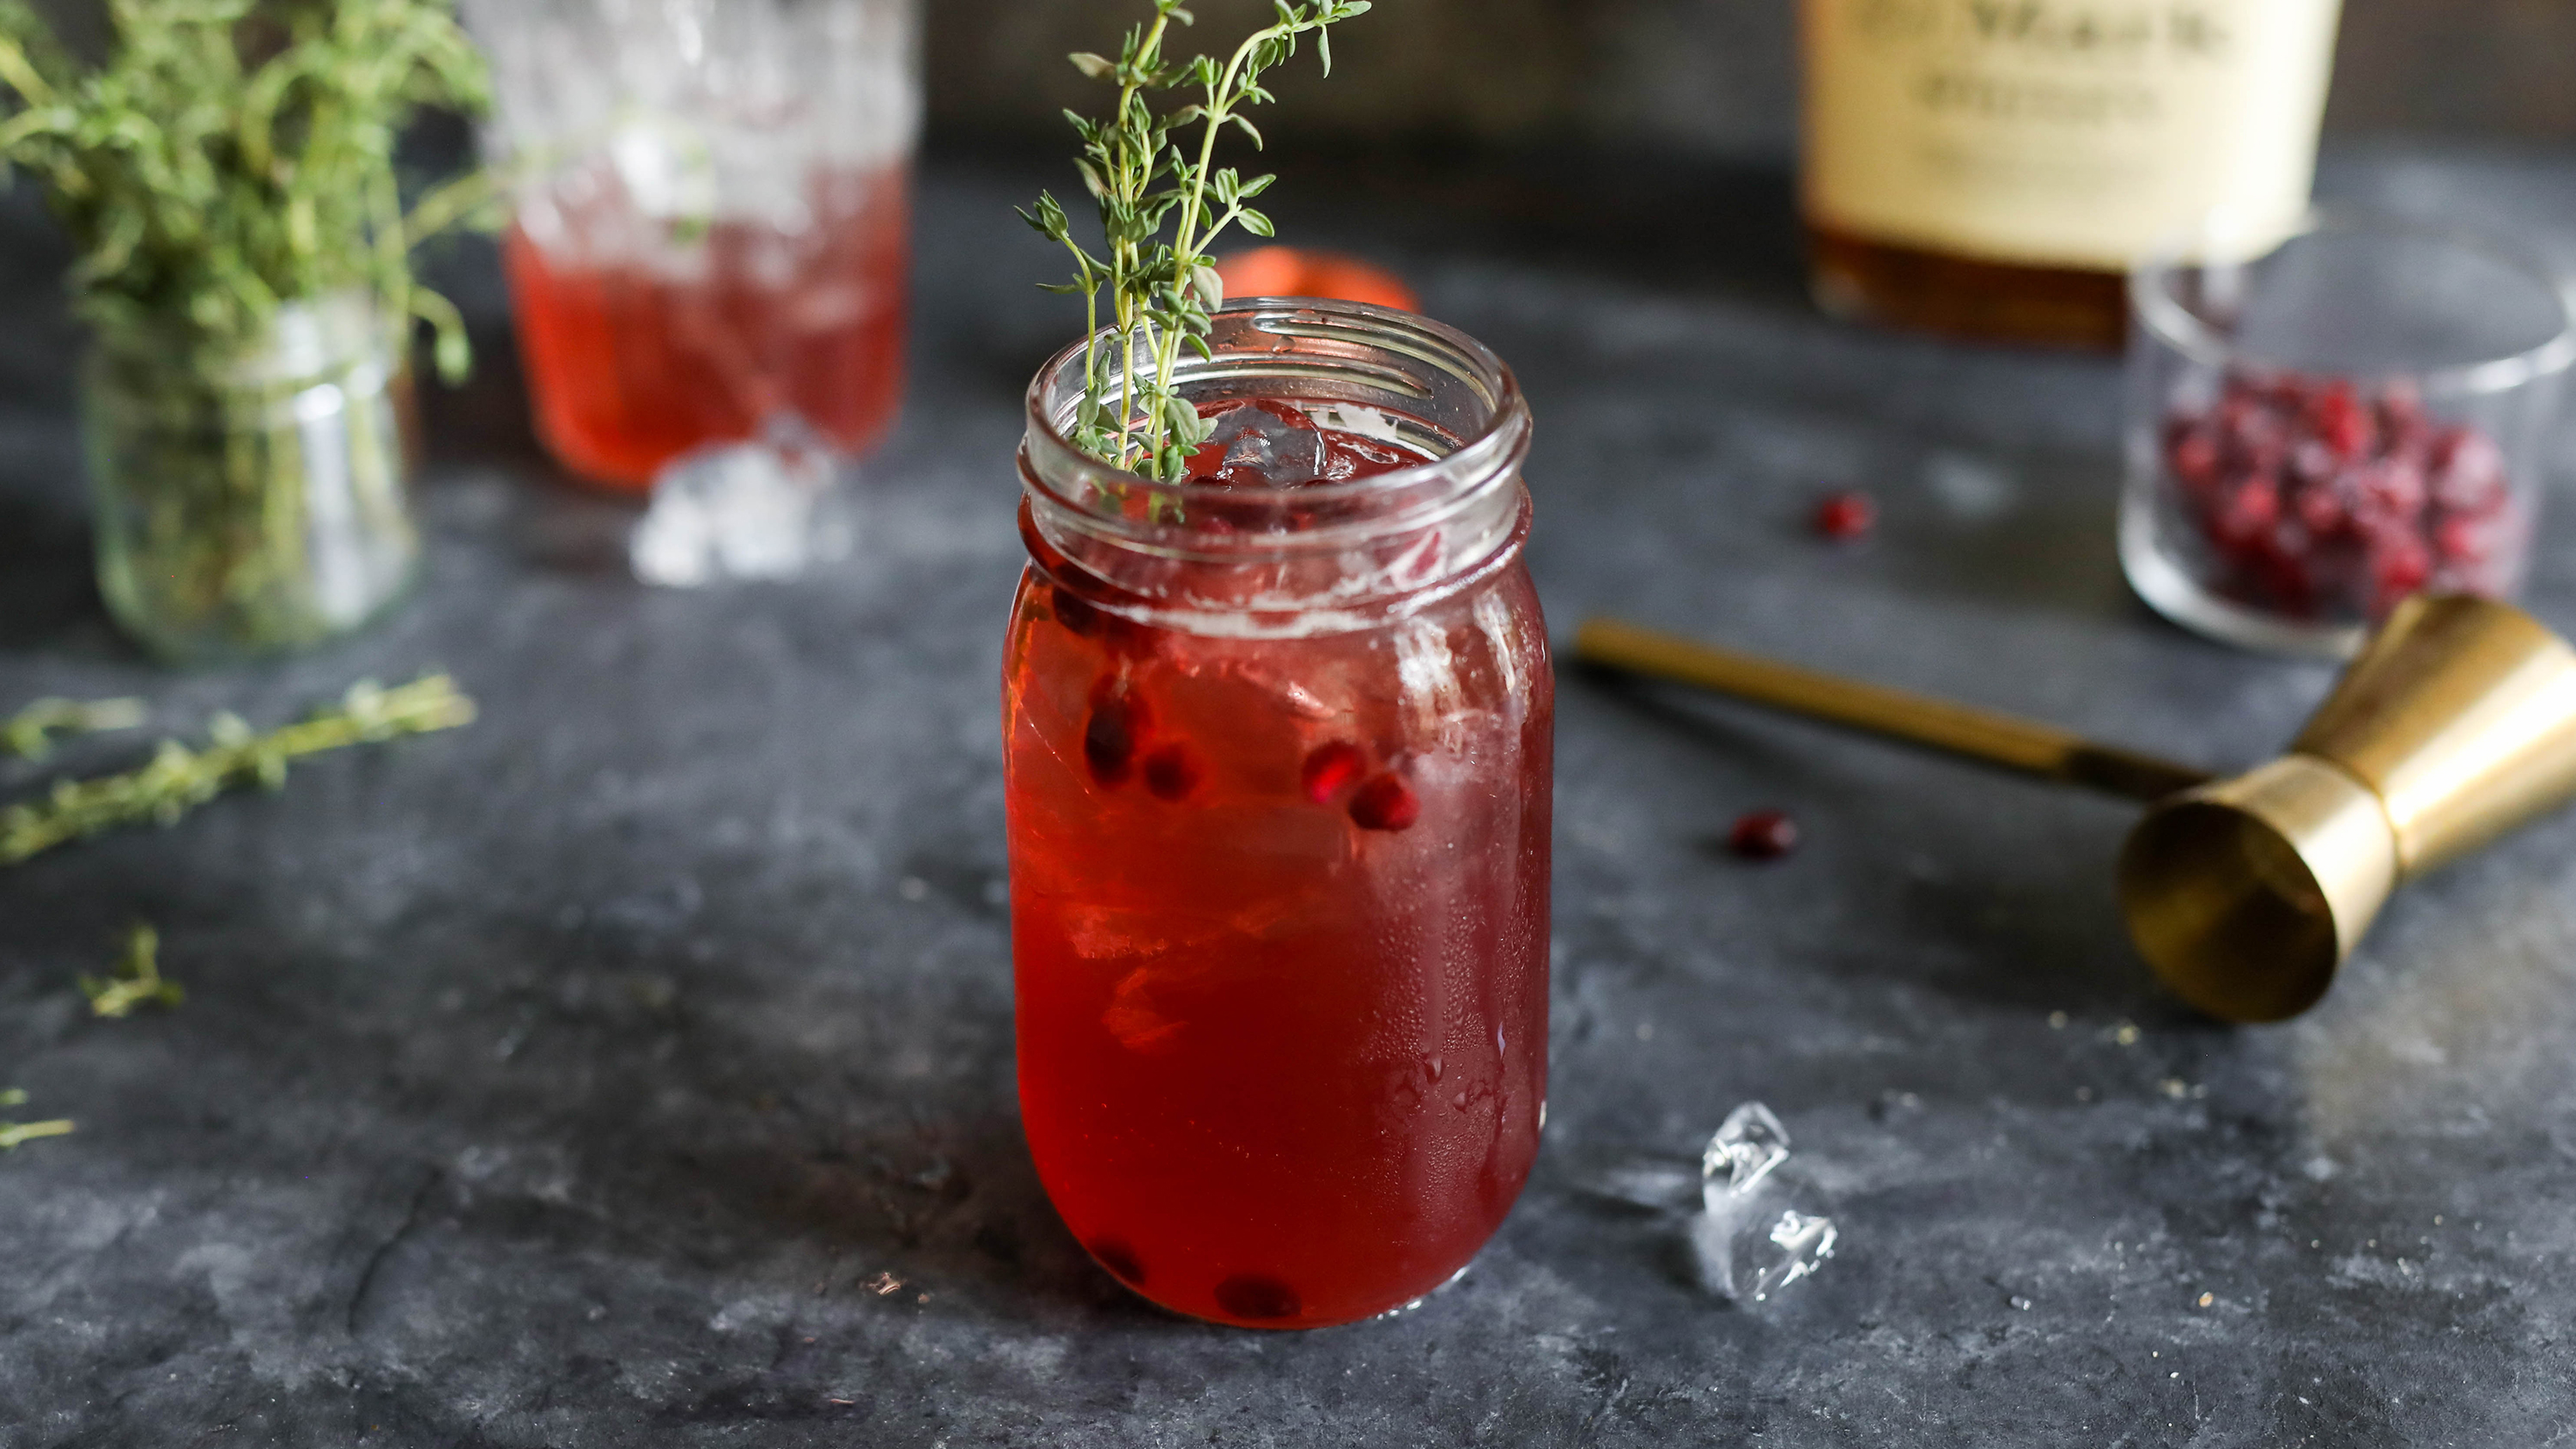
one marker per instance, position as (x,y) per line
(136,981)
(230,156)
(179,779)
(29,733)
(13,1133)
(1161,292)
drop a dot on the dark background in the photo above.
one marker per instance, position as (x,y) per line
(1704,76)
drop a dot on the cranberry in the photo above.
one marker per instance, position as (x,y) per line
(1846,515)
(1329,769)
(1118,722)
(1385,803)
(1763,835)
(1171,772)
(2340,421)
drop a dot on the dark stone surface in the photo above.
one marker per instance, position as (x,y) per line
(563,1080)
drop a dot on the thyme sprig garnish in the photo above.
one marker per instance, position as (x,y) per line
(136,980)
(29,734)
(179,779)
(13,1133)
(1161,292)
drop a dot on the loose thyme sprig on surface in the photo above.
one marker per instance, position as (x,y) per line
(180,779)
(1161,292)
(13,1133)
(29,733)
(136,980)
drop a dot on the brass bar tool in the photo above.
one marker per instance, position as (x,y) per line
(2455,724)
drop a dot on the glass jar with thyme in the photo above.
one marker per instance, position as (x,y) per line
(253,503)
(226,175)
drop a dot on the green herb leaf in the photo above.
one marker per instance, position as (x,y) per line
(179,779)
(1160,292)
(136,981)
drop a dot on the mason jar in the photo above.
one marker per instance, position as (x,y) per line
(255,503)
(1278,781)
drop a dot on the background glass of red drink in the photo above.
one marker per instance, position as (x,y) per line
(712,231)
(2359,414)
(1278,778)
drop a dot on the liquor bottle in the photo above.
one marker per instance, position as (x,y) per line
(1990,168)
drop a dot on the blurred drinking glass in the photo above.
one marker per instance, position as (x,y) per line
(712,219)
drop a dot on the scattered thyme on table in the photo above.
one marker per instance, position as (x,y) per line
(1161,292)
(179,779)
(29,734)
(136,980)
(13,1133)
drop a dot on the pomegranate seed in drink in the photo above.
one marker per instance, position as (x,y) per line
(1384,803)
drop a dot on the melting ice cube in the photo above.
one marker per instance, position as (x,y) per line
(756,510)
(1263,448)
(1747,1146)
(1751,1237)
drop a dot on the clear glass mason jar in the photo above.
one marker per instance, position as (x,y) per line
(258,504)
(1278,777)
(2361,412)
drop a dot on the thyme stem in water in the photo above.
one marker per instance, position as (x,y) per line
(1161,292)
(179,779)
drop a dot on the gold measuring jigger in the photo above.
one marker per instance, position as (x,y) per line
(2456,723)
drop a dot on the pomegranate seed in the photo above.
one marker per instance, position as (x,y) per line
(1846,515)
(1171,773)
(1109,739)
(1384,803)
(1078,618)
(1764,835)
(1119,1259)
(1256,1296)
(1329,768)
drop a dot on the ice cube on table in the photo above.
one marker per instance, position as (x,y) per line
(1745,1148)
(1753,1233)
(756,510)
(1749,1255)
(1264,449)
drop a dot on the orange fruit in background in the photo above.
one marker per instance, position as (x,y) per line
(1277,271)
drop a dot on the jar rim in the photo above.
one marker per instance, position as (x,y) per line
(1059,468)
(2169,321)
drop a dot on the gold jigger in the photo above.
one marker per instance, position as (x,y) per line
(2456,724)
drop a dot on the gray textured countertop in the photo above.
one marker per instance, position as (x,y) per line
(562,1081)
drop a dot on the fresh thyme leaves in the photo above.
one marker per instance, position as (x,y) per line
(1161,292)
(13,1133)
(136,980)
(179,779)
(231,156)
(29,733)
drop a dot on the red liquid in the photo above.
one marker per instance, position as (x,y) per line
(1279,923)
(631,365)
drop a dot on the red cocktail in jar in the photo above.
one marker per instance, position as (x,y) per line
(1279,783)
(640,346)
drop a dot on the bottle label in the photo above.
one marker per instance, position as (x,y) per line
(2066,133)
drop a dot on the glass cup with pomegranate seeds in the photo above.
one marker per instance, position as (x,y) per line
(2359,414)
(1278,776)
